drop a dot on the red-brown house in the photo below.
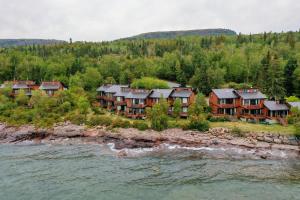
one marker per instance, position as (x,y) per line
(51,87)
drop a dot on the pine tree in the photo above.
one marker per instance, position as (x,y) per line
(288,75)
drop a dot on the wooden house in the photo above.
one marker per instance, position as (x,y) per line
(51,87)
(223,101)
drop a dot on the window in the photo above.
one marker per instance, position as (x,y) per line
(184,100)
(119,99)
(119,108)
(246,102)
(185,109)
(142,101)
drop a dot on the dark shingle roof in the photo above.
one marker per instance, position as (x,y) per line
(182,94)
(294,104)
(20,86)
(50,85)
(227,93)
(111,88)
(251,94)
(157,93)
(273,105)
(138,94)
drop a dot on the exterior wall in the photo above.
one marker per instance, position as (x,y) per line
(222,109)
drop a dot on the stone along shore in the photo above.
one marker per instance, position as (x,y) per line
(261,143)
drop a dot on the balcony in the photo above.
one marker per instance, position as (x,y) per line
(120,103)
(252,107)
(106,98)
(226,105)
(136,106)
(252,116)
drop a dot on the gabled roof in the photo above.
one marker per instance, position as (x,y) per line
(20,86)
(158,93)
(274,106)
(294,104)
(138,94)
(51,85)
(115,88)
(250,94)
(181,94)
(227,93)
(103,88)
(173,84)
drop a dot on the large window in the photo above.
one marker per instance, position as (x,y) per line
(185,109)
(184,100)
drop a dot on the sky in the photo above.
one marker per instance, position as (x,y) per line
(102,20)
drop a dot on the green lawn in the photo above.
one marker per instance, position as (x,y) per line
(244,126)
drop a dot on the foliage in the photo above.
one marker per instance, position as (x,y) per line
(292,99)
(22,99)
(140,125)
(177,109)
(237,132)
(100,120)
(158,115)
(120,123)
(198,122)
(149,83)
(199,106)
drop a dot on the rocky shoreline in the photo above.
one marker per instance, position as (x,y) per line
(261,143)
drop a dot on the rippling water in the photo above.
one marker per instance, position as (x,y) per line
(84,172)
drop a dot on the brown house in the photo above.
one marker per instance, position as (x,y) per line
(136,102)
(51,87)
(186,96)
(250,104)
(27,86)
(223,101)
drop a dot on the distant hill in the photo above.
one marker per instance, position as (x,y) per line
(24,42)
(174,34)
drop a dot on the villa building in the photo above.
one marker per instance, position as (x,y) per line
(51,87)
(133,102)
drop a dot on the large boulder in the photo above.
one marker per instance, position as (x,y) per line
(69,130)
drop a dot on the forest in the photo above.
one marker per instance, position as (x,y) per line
(268,61)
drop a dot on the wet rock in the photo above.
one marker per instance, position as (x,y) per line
(122,153)
(70,130)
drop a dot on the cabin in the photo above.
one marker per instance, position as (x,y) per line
(136,103)
(120,104)
(106,95)
(27,86)
(275,111)
(186,96)
(250,104)
(51,87)
(294,105)
(157,94)
(223,101)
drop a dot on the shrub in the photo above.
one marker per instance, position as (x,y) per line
(76,118)
(140,125)
(198,123)
(120,123)
(219,119)
(102,120)
(297,130)
(149,83)
(237,132)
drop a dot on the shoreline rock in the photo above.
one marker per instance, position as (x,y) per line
(133,138)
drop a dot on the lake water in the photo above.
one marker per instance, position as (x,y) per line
(88,172)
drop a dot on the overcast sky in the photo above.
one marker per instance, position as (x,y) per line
(97,20)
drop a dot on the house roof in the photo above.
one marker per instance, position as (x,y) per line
(173,84)
(250,94)
(182,94)
(20,86)
(138,94)
(115,88)
(227,93)
(294,104)
(274,106)
(157,93)
(103,88)
(52,85)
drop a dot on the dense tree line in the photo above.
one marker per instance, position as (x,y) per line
(269,61)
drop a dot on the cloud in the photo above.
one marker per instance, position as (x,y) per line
(97,20)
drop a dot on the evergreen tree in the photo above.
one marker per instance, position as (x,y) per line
(288,75)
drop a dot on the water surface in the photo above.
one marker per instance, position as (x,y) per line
(86,172)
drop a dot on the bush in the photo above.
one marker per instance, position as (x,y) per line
(120,123)
(219,119)
(237,132)
(96,120)
(198,123)
(297,130)
(140,125)
(76,118)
